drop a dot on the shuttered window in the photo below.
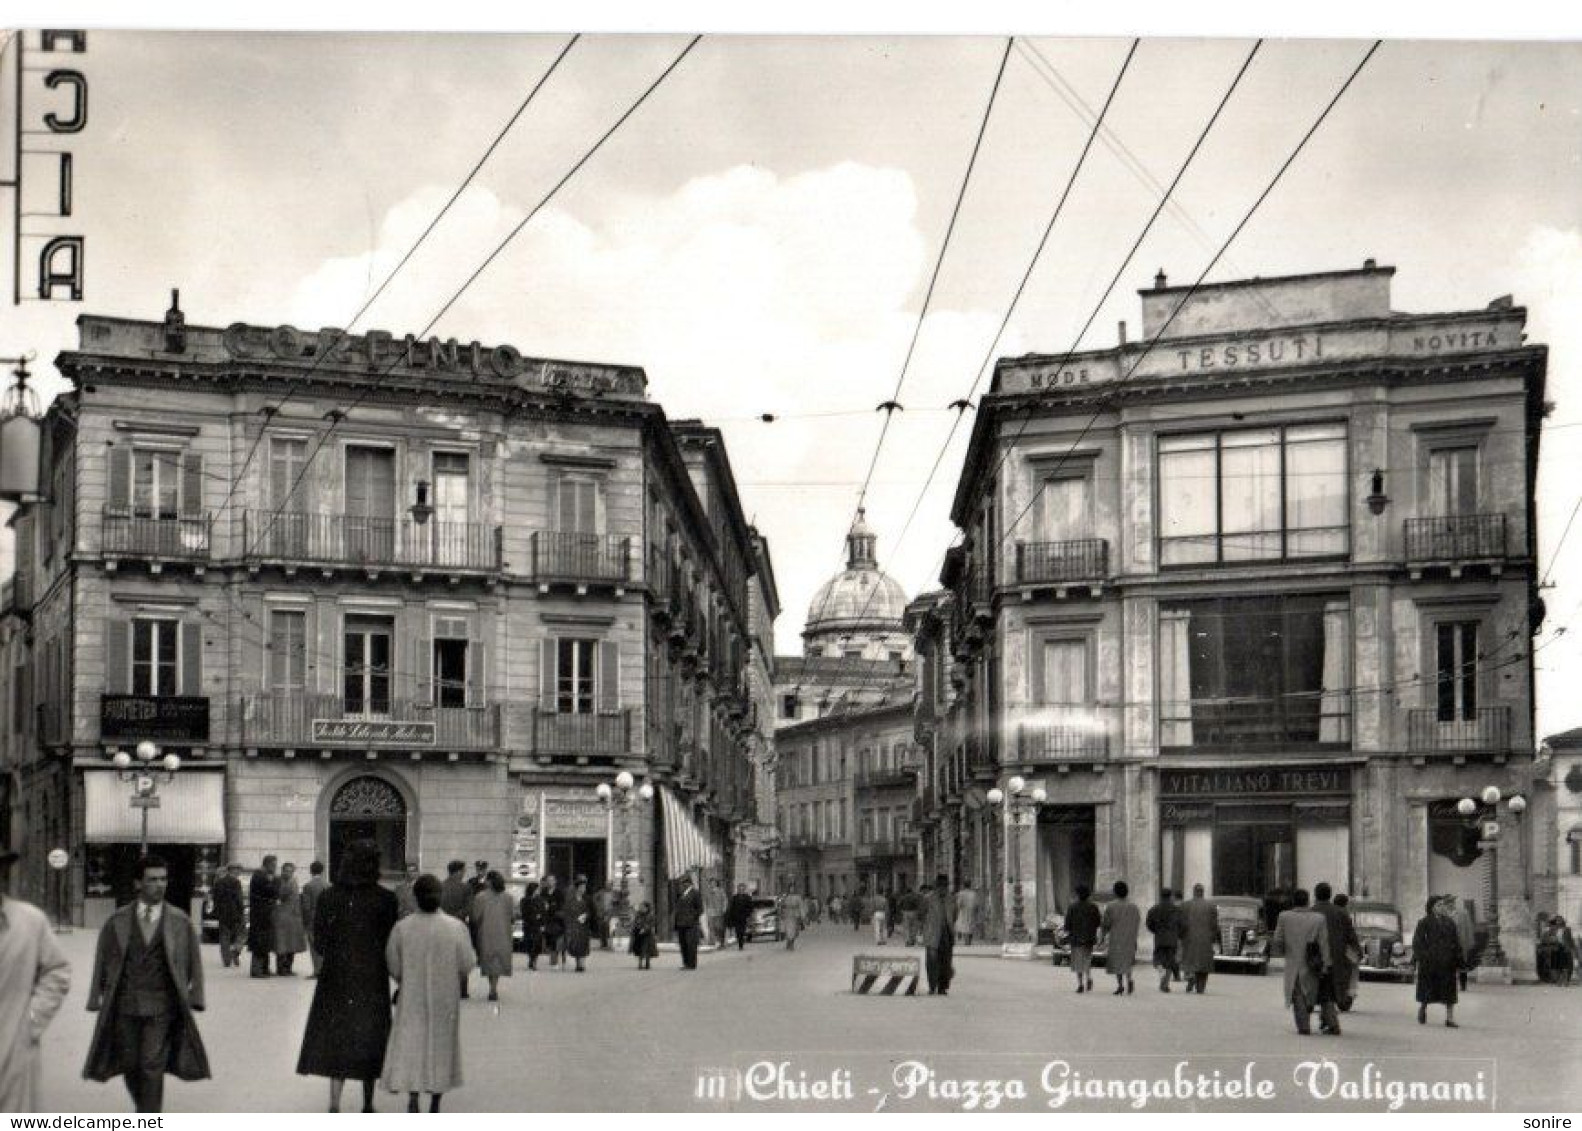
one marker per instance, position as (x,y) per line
(156,483)
(154,656)
(578,505)
(288,650)
(288,456)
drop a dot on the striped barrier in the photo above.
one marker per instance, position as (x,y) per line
(872,974)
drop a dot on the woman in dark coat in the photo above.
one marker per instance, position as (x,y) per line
(533,913)
(1436,946)
(577,917)
(349,1023)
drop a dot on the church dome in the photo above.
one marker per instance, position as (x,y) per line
(861,596)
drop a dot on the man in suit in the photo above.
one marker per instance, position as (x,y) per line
(1302,936)
(147,982)
(1197,939)
(688,915)
(316,886)
(231,915)
(1335,986)
(939,935)
(263,894)
(739,915)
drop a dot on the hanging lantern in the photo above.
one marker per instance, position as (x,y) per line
(19,439)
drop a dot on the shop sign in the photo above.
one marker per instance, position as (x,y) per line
(372,732)
(1298,780)
(1196,813)
(575,818)
(166,718)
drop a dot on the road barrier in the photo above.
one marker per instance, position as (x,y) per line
(876,974)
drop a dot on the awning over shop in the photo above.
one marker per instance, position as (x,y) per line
(685,845)
(191,809)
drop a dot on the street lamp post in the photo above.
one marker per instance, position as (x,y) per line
(620,798)
(1017,802)
(1485,819)
(145,780)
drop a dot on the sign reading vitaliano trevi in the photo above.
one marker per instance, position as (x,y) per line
(372,732)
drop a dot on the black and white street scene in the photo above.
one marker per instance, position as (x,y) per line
(740,573)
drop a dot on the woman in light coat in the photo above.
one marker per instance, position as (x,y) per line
(429,954)
(291,936)
(492,916)
(791,912)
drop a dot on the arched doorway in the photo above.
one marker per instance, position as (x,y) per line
(369,808)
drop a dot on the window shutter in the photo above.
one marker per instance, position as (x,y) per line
(424,673)
(192,485)
(121,480)
(477,690)
(546,673)
(117,656)
(609,675)
(191,658)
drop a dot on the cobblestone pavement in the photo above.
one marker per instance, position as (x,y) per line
(620,1039)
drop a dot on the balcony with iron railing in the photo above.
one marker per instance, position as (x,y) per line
(902,773)
(600,734)
(1456,539)
(295,538)
(172,538)
(1483,730)
(314,720)
(580,559)
(1062,734)
(1296,721)
(1085,559)
(802,841)
(886,847)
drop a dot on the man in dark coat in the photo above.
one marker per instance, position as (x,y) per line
(263,893)
(1082,933)
(739,915)
(1201,932)
(1166,924)
(939,935)
(688,914)
(316,886)
(534,914)
(455,900)
(554,930)
(230,913)
(147,982)
(1334,986)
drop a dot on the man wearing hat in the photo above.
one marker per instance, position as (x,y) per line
(34,978)
(939,935)
(230,915)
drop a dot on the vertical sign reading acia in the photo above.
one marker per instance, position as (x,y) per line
(51,107)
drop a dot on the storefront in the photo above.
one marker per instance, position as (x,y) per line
(1261,832)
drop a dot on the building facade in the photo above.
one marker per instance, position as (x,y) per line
(1251,599)
(426,592)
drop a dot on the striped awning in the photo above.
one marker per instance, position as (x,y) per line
(685,845)
(191,809)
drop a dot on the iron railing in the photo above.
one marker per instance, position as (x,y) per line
(1085,559)
(868,777)
(1455,538)
(1297,720)
(1489,729)
(288,718)
(1062,742)
(174,539)
(581,557)
(888,846)
(602,732)
(340,539)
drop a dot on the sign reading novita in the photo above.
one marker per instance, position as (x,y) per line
(1298,780)
(385,352)
(372,732)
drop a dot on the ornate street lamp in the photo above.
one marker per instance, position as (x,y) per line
(1019,804)
(1485,819)
(619,798)
(144,779)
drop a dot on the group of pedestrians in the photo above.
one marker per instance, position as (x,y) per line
(278,916)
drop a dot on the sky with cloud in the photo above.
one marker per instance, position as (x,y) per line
(759,236)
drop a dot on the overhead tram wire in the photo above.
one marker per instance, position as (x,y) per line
(369,388)
(1060,204)
(297,382)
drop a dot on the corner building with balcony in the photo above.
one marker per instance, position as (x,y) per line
(1252,599)
(420,591)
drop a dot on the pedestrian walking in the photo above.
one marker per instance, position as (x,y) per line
(1083,922)
(859,907)
(687,915)
(429,954)
(230,914)
(1166,925)
(739,915)
(791,914)
(554,930)
(577,917)
(1354,959)
(908,903)
(532,912)
(478,882)
(1436,947)
(892,912)
(966,913)
(403,892)
(147,982)
(835,908)
(34,978)
(291,939)
(1200,931)
(881,905)
(939,936)
(1335,986)
(1301,934)
(714,905)
(1119,927)
(493,913)
(349,1021)
(814,909)
(263,893)
(604,906)
(455,900)
(1462,917)
(316,886)
(644,944)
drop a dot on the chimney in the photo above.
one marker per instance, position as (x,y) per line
(1120,332)
(1159,280)
(1369,264)
(175,325)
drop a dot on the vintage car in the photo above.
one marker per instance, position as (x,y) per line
(1385,951)
(764,922)
(1243,941)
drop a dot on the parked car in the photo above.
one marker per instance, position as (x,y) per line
(764,921)
(1243,941)
(1385,950)
(208,925)
(1060,941)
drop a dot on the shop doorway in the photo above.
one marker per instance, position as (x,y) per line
(114,866)
(1254,850)
(1066,856)
(568,858)
(369,808)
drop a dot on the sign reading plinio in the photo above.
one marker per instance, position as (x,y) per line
(372,732)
